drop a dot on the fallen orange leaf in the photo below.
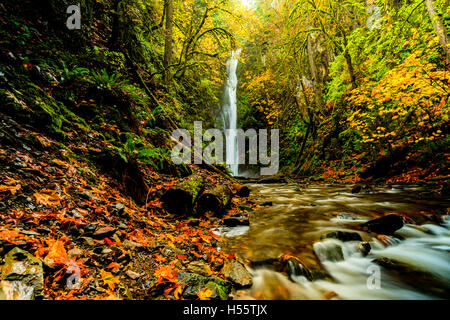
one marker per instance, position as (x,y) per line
(57,255)
(204,294)
(109,279)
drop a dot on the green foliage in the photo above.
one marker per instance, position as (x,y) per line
(113,59)
(136,147)
(75,73)
(106,81)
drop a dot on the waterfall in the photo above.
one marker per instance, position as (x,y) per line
(229,114)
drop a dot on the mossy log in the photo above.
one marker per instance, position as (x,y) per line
(181,198)
(216,200)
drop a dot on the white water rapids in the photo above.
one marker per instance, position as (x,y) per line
(298,218)
(426,250)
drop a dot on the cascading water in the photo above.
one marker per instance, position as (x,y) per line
(229,114)
(412,264)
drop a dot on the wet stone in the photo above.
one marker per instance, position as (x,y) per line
(343,236)
(104,232)
(385,225)
(244,192)
(199,267)
(356,189)
(122,226)
(296,269)
(76,214)
(131,245)
(75,252)
(89,241)
(237,273)
(90,228)
(364,248)
(133,275)
(118,209)
(236,221)
(329,250)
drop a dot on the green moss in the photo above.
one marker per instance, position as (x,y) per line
(195,185)
(220,288)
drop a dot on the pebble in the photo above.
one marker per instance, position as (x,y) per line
(104,232)
(106,251)
(75,252)
(133,275)
(76,214)
(89,241)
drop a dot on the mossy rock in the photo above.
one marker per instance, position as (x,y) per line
(22,276)
(195,283)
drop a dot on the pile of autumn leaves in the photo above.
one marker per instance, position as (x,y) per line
(56,247)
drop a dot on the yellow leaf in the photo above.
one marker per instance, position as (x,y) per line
(12,189)
(205,294)
(47,197)
(109,279)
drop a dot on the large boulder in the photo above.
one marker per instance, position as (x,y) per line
(22,276)
(422,280)
(329,250)
(385,225)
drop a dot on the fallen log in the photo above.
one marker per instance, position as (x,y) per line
(215,200)
(180,199)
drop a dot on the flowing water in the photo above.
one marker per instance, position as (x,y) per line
(229,114)
(341,270)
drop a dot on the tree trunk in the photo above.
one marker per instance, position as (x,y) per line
(348,59)
(181,198)
(168,40)
(215,200)
(315,79)
(439,28)
(113,42)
